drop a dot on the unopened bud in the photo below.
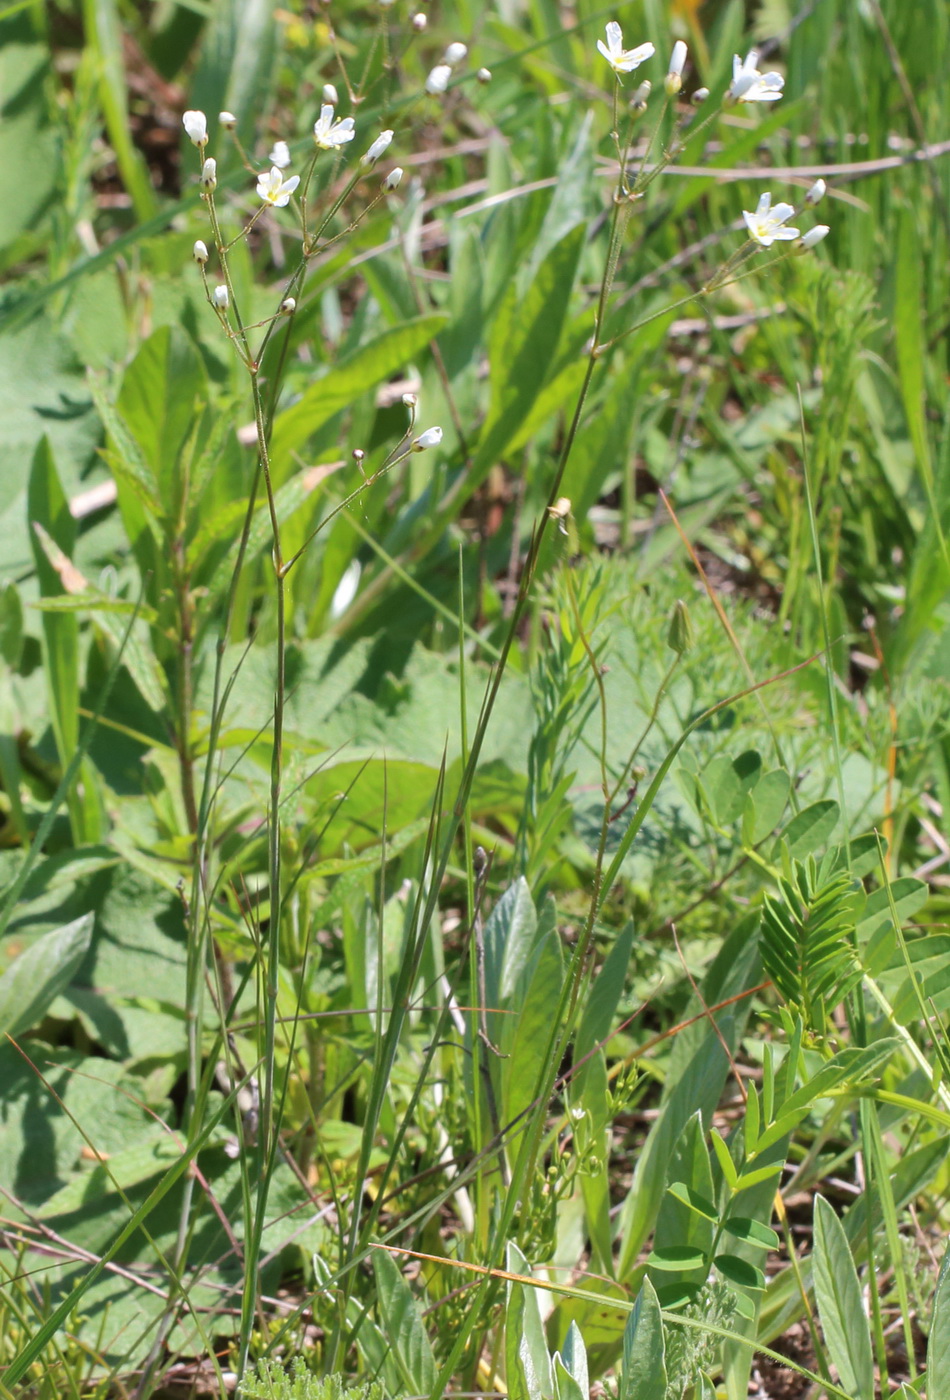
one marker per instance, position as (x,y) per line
(209,174)
(196,127)
(674,75)
(200,252)
(484,75)
(330,94)
(641,97)
(358,455)
(220,297)
(380,145)
(812,237)
(680,637)
(438,79)
(816,193)
(410,400)
(288,305)
(228,120)
(699,97)
(454,54)
(419,22)
(393,178)
(430,438)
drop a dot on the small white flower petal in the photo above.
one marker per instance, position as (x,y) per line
(620,59)
(815,235)
(273,189)
(380,145)
(280,155)
(430,438)
(816,194)
(393,178)
(330,94)
(330,135)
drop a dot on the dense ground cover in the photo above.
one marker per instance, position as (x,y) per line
(473,900)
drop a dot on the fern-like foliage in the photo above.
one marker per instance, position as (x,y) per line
(808,939)
(270,1380)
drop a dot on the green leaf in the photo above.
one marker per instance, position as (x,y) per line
(40,973)
(739,1271)
(528,1364)
(727,783)
(676,1258)
(694,1200)
(162,392)
(644,1353)
(752,1232)
(724,1158)
(765,805)
(402,1323)
(570,1367)
(838,1295)
(525,1036)
(938,1343)
(810,828)
(353,376)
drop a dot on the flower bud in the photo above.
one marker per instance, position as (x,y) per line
(454,54)
(812,237)
(410,400)
(816,193)
(430,438)
(209,174)
(377,148)
(419,22)
(680,637)
(220,297)
(196,127)
(674,76)
(200,252)
(288,306)
(484,75)
(393,178)
(438,79)
(699,97)
(330,94)
(228,120)
(358,455)
(280,155)
(641,97)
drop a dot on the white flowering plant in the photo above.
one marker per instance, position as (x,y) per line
(400,756)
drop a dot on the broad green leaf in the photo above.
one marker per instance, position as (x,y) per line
(840,1306)
(694,1200)
(162,392)
(126,1169)
(739,1271)
(810,829)
(727,782)
(938,1342)
(574,1358)
(751,1232)
(401,1317)
(40,973)
(765,805)
(676,1259)
(528,1364)
(644,1353)
(354,376)
(526,1035)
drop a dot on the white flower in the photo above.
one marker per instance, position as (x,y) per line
(674,74)
(330,94)
(220,297)
(196,126)
(767,225)
(280,155)
(420,22)
(620,59)
(377,148)
(484,75)
(813,236)
(430,438)
(228,120)
(393,178)
(816,193)
(272,188)
(209,173)
(749,85)
(438,79)
(200,251)
(329,134)
(454,54)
